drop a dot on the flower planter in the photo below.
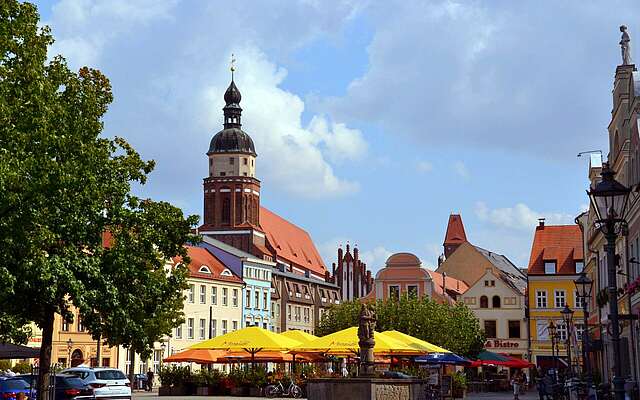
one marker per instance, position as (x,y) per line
(255,391)
(203,391)
(238,391)
(164,391)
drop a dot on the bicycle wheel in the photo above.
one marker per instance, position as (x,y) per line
(271,391)
(296,391)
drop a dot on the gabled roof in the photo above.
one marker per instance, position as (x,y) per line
(290,242)
(509,273)
(452,284)
(559,243)
(202,257)
(455,230)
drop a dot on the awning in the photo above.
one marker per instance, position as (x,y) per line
(9,351)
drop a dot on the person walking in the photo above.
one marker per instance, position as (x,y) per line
(540,384)
(516,382)
(149,380)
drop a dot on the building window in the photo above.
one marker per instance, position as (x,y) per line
(514,329)
(178,332)
(278,309)
(562,331)
(412,290)
(225,296)
(223,174)
(214,326)
(257,298)
(192,289)
(580,266)
(245,161)
(289,312)
(203,294)
(541,299)
(495,302)
(203,328)
(80,326)
(579,300)
(65,326)
(579,331)
(484,302)
(542,330)
(273,309)
(490,329)
(560,298)
(306,315)
(550,267)
(234,298)
(394,292)
(190,328)
(265,301)
(247,299)
(486,283)
(214,295)
(234,325)
(493,283)
(230,160)
(224,326)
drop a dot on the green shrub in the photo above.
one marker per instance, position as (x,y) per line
(22,368)
(459,381)
(5,365)
(204,377)
(175,376)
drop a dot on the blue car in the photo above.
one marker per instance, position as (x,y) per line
(9,388)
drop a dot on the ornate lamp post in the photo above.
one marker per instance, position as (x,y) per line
(584,285)
(552,332)
(163,347)
(567,317)
(609,200)
(69,347)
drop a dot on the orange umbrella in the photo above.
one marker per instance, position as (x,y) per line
(200,356)
(264,356)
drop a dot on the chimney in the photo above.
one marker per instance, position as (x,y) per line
(541,222)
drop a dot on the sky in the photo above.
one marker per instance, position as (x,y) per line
(372,120)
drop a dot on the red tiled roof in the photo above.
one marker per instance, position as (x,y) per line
(200,256)
(452,284)
(291,243)
(559,243)
(455,230)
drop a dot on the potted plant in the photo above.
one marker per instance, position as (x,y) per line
(256,380)
(238,379)
(175,381)
(458,385)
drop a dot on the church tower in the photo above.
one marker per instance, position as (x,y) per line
(231,190)
(455,235)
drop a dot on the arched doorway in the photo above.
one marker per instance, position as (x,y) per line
(76,358)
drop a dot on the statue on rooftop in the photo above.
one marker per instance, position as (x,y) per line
(625,45)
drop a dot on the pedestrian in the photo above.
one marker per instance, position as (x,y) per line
(516,382)
(149,380)
(540,386)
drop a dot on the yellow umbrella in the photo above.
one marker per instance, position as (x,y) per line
(251,340)
(415,342)
(346,342)
(300,336)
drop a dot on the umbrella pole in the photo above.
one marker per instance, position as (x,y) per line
(293,364)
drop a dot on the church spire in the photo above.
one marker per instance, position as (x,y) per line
(232,97)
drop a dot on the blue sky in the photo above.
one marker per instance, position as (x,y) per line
(372,120)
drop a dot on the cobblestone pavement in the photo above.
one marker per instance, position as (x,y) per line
(531,395)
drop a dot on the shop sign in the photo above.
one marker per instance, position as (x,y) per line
(501,344)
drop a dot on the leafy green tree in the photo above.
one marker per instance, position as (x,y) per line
(423,318)
(62,186)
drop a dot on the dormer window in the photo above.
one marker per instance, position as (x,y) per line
(226,272)
(549,267)
(579,267)
(204,269)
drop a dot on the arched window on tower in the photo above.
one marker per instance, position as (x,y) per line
(484,302)
(495,302)
(255,210)
(226,210)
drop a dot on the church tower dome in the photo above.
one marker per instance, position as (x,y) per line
(232,139)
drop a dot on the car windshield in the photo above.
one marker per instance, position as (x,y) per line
(79,374)
(110,374)
(15,384)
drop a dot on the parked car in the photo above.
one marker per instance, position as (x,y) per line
(67,386)
(106,382)
(9,388)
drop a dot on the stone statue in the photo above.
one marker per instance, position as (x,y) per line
(625,45)
(366,327)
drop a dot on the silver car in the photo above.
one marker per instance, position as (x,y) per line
(107,383)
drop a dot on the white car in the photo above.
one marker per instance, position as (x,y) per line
(107,383)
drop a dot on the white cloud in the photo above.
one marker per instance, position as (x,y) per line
(424,166)
(375,258)
(168,62)
(519,217)
(461,169)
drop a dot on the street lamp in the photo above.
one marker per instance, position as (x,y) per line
(584,285)
(609,200)
(552,332)
(567,317)
(69,347)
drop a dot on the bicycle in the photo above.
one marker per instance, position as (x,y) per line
(432,393)
(279,390)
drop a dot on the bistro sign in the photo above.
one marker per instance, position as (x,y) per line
(501,344)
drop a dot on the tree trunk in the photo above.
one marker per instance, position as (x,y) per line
(45,357)
(132,357)
(98,351)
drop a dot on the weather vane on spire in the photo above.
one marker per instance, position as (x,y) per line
(233,65)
